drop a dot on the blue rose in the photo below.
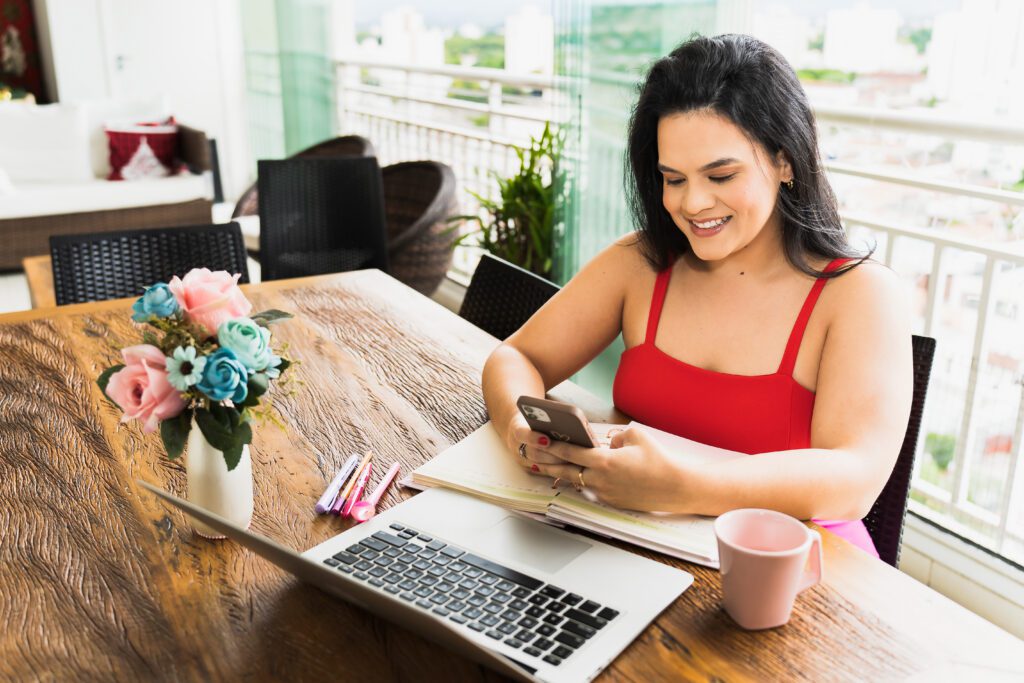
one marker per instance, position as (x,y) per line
(224,377)
(249,341)
(156,302)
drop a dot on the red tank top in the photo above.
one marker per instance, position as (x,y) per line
(746,413)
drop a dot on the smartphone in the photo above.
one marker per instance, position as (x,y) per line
(560,421)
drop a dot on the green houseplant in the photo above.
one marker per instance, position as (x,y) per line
(520,225)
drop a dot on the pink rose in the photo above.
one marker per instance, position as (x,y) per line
(209,298)
(141,388)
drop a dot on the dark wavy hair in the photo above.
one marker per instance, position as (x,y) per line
(751,85)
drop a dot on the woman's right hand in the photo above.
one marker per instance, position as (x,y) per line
(518,433)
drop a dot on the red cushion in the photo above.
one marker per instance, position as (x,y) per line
(142,150)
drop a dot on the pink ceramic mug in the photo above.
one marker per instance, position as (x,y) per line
(764,565)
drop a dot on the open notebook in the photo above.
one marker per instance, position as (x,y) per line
(481,465)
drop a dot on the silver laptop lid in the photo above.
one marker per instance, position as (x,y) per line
(635,588)
(349,589)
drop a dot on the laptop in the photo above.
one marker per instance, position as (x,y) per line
(528,600)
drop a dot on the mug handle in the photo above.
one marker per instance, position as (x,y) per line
(814,573)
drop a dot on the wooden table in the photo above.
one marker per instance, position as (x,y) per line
(99,580)
(39,273)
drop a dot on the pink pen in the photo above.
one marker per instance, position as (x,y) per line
(365,509)
(357,492)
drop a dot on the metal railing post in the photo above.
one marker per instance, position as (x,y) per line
(1015,476)
(493,106)
(966,436)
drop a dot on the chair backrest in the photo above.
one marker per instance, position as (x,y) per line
(885,520)
(501,296)
(346,145)
(113,265)
(319,206)
(419,196)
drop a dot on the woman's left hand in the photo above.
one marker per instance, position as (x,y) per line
(634,472)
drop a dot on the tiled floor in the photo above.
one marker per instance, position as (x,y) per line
(14,292)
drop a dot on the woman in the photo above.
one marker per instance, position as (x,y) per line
(739,260)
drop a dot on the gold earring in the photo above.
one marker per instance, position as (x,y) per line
(789,184)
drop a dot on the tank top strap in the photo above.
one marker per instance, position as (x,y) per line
(657,300)
(797,335)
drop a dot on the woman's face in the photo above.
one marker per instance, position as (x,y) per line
(719,186)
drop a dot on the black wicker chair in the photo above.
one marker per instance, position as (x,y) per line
(501,296)
(345,146)
(322,215)
(885,520)
(114,265)
(419,196)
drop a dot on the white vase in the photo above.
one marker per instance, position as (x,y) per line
(213,487)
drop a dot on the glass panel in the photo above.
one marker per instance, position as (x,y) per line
(307,82)
(603,47)
(262,80)
(289,77)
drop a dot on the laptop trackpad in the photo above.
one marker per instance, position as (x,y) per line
(530,543)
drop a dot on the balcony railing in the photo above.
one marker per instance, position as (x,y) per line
(976,395)
(469,118)
(967,289)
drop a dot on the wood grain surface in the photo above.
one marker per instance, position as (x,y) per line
(99,580)
(39,274)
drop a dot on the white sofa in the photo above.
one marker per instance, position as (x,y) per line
(53,168)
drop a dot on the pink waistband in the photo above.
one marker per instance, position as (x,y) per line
(853,531)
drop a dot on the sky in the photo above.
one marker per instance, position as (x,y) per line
(487,13)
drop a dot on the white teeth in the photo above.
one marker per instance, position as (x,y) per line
(710,224)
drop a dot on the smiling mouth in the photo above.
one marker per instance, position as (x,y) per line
(708,227)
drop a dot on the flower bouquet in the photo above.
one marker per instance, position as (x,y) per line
(208,362)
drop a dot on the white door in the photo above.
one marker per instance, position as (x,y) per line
(190,53)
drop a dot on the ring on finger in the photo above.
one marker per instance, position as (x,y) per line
(522,451)
(579,476)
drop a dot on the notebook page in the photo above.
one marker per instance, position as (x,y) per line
(691,534)
(562,516)
(481,465)
(688,536)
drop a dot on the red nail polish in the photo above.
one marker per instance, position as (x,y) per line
(544,441)
(534,468)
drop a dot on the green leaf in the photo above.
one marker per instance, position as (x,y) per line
(218,434)
(104,379)
(174,432)
(234,454)
(226,415)
(225,430)
(258,383)
(273,315)
(257,386)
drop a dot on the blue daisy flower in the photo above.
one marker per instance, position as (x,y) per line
(184,368)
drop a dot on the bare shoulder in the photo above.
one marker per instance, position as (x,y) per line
(867,283)
(869,291)
(620,262)
(628,252)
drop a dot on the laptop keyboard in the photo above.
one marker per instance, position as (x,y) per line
(539,619)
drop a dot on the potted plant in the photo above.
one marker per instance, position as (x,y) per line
(198,378)
(520,225)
